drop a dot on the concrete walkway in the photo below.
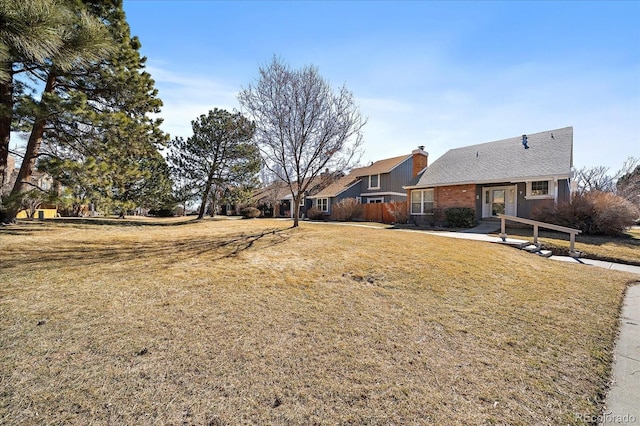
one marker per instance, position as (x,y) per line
(622,405)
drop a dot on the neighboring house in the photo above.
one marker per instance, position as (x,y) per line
(381,182)
(512,176)
(11,174)
(39,180)
(277,195)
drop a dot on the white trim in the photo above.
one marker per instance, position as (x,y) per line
(552,190)
(377,186)
(422,212)
(373,194)
(510,202)
(490,182)
(374,200)
(326,203)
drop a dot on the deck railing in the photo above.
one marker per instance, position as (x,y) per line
(572,232)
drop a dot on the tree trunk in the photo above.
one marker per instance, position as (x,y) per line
(213,203)
(33,149)
(295,209)
(6,112)
(203,206)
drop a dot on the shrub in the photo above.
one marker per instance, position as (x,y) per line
(399,211)
(162,212)
(250,212)
(315,213)
(460,217)
(593,213)
(347,210)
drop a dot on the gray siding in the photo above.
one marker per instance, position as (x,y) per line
(390,182)
(352,192)
(564,193)
(522,207)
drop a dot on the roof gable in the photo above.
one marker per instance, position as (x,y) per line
(346,182)
(550,153)
(338,186)
(380,166)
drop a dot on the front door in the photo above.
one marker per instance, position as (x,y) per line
(497,202)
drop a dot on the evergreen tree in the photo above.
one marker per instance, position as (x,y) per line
(29,34)
(219,155)
(98,139)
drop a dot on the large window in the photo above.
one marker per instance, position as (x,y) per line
(422,201)
(323,204)
(374,181)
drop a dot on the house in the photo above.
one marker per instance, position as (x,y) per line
(512,176)
(380,182)
(275,199)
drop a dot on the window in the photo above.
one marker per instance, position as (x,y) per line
(375,200)
(323,204)
(422,201)
(540,187)
(374,181)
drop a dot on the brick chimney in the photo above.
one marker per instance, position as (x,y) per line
(420,157)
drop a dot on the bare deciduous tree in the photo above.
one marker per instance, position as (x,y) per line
(595,179)
(624,182)
(302,126)
(628,183)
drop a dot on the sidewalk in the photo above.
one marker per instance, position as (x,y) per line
(622,405)
(512,241)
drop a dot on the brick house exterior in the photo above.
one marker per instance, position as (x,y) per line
(513,176)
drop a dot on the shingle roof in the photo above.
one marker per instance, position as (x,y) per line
(380,166)
(550,153)
(337,187)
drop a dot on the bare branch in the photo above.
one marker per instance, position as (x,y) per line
(302,126)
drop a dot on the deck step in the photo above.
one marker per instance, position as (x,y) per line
(535,249)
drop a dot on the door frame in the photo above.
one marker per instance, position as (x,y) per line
(511,199)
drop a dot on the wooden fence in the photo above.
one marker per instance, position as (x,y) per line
(378,212)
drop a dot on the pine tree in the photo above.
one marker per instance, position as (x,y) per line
(29,34)
(98,140)
(220,154)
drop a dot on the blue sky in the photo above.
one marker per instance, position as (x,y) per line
(438,74)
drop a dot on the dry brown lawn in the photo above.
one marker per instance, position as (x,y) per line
(252,322)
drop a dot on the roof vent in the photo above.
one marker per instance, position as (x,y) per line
(525,142)
(421,147)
